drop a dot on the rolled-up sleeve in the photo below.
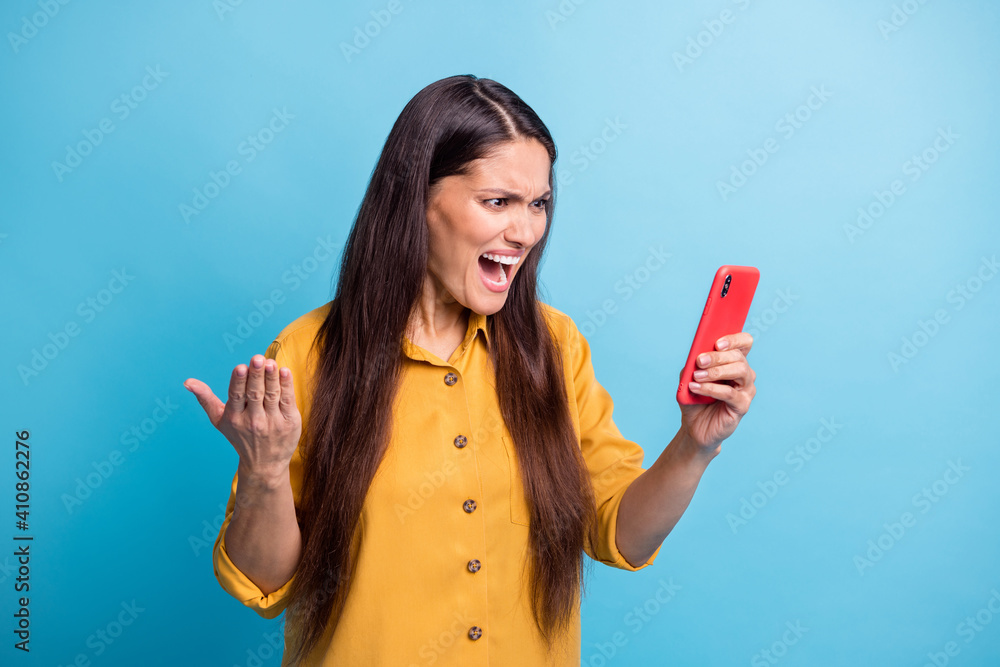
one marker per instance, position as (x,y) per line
(236,583)
(232,579)
(612,460)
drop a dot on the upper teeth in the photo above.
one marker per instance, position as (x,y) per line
(503,259)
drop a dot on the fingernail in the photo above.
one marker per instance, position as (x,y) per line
(722,343)
(285,372)
(241,371)
(700,375)
(258,362)
(694,385)
(704,359)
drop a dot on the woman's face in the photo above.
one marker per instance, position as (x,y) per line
(497,208)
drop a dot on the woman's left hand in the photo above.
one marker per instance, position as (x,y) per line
(709,424)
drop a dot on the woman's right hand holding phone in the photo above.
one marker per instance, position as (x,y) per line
(260,418)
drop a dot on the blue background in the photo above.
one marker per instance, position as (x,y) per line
(645,139)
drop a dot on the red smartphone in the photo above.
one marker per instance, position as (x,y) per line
(725,313)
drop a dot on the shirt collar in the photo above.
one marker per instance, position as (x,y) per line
(477,324)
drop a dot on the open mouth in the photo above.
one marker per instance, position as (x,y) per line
(495,272)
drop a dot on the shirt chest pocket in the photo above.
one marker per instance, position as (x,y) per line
(519,510)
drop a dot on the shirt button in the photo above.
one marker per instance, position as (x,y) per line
(450,379)
(474,565)
(461,441)
(469,506)
(475,632)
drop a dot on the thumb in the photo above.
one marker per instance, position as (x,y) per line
(209,402)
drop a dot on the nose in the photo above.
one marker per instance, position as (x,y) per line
(522,227)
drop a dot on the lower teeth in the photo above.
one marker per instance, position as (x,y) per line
(503,277)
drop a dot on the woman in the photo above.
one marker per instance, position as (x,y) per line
(424,460)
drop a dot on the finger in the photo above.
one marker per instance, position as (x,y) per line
(255,385)
(272,386)
(287,401)
(739,372)
(709,359)
(737,400)
(742,341)
(209,401)
(237,390)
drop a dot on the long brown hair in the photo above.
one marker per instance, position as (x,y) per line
(441,130)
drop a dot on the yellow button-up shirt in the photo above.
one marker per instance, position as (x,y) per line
(415,596)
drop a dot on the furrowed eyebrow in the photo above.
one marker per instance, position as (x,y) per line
(507,194)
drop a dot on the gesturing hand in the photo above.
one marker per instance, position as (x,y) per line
(724,375)
(261,419)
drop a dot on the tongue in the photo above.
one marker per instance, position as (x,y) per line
(491,269)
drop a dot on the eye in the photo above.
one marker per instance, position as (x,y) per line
(540,204)
(499,199)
